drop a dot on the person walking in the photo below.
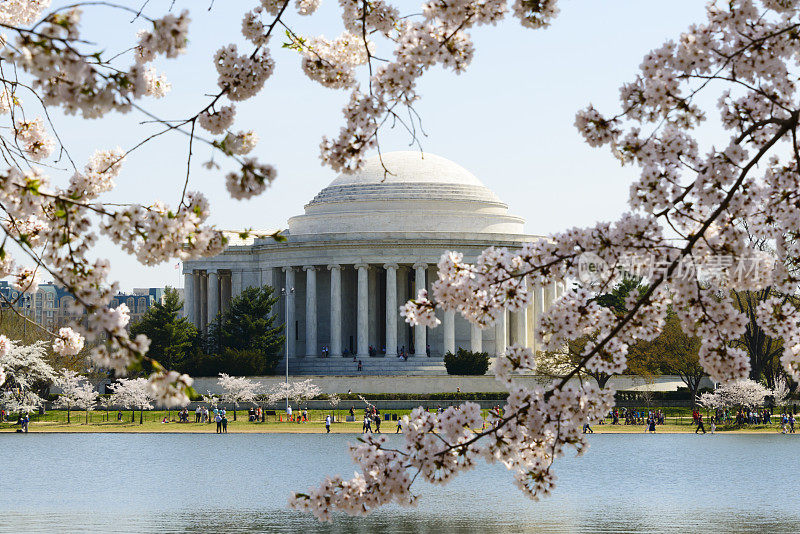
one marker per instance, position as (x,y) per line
(399,425)
(791,423)
(700,424)
(377,423)
(587,429)
(327,424)
(218,420)
(367,426)
(224,423)
(713,424)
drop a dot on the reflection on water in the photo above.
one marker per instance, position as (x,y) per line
(240,483)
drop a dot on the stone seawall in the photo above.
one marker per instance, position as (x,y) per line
(439,384)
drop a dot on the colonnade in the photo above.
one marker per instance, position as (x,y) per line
(208,292)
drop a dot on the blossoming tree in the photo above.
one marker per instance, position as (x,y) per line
(684,228)
(237,390)
(683,234)
(69,381)
(298,391)
(134,393)
(22,367)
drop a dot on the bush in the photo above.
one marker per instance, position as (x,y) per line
(466,362)
(236,363)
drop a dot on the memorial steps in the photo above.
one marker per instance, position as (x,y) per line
(378,365)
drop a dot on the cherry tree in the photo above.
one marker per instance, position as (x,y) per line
(86,398)
(210,399)
(238,389)
(134,393)
(70,383)
(744,393)
(299,391)
(695,212)
(334,399)
(710,401)
(107,401)
(22,369)
(695,209)
(780,393)
(52,64)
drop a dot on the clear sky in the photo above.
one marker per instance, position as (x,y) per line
(508,119)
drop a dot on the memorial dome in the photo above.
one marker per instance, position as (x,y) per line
(406,192)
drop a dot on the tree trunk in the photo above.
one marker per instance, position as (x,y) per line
(133,416)
(141,416)
(234,413)
(694,389)
(68,415)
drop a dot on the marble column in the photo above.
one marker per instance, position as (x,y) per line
(449,326)
(213,296)
(225,291)
(362,318)
(392,309)
(549,295)
(475,339)
(419,330)
(530,319)
(336,309)
(519,323)
(402,296)
(268,277)
(198,304)
(236,283)
(373,295)
(289,303)
(311,310)
(538,305)
(203,302)
(188,296)
(500,339)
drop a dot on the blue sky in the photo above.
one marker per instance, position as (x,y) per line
(508,119)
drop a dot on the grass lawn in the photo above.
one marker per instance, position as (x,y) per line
(56,421)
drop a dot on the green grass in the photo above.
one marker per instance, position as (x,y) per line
(677,420)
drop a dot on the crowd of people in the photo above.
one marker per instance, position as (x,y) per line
(634,417)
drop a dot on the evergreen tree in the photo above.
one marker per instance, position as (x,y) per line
(247,336)
(173,339)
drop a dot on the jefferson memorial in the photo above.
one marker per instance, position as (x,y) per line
(362,247)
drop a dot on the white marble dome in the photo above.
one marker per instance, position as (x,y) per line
(406,192)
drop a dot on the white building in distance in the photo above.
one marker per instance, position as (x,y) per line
(364,245)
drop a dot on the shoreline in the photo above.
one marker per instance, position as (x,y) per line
(310,428)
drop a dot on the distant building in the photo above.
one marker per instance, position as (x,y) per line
(52,305)
(364,245)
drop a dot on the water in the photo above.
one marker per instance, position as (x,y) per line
(241,482)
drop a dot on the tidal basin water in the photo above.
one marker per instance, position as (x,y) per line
(241,482)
